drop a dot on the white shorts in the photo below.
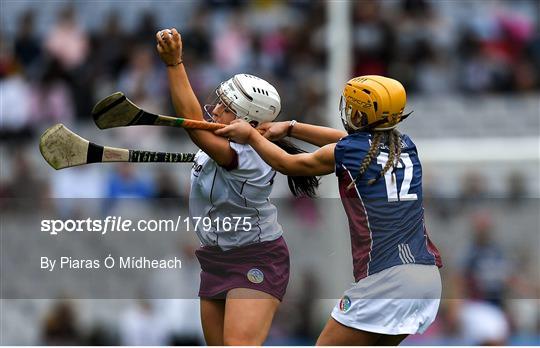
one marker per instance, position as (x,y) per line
(399,300)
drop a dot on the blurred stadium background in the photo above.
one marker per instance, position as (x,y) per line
(472,72)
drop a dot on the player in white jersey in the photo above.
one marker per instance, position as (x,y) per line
(243,257)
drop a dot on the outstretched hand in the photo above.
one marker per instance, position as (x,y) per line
(238,131)
(274,130)
(169,46)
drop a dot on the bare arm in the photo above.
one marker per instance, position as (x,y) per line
(316,135)
(320,162)
(184,100)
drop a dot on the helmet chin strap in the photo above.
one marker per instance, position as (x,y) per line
(405,116)
(382,121)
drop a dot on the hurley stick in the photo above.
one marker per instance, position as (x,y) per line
(62,148)
(117,110)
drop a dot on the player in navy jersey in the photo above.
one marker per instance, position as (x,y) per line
(243,256)
(397,285)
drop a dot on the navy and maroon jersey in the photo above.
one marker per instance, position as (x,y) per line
(386,219)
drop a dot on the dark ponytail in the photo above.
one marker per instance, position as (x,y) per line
(299,185)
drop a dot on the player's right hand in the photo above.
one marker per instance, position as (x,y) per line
(169,46)
(274,130)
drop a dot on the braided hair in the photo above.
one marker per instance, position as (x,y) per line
(392,139)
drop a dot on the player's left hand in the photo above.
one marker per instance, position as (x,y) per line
(238,131)
(274,130)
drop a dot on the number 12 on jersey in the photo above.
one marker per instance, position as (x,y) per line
(391,182)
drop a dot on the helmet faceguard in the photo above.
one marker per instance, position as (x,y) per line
(207,114)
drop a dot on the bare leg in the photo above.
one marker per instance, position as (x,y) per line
(391,340)
(212,318)
(248,317)
(337,334)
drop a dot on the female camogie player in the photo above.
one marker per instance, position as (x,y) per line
(398,287)
(244,259)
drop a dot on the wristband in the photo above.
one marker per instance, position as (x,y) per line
(291,125)
(176,64)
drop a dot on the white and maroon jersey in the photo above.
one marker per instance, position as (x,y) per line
(219,195)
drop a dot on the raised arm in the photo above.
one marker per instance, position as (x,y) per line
(320,162)
(186,105)
(184,100)
(316,135)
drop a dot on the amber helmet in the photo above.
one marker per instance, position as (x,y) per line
(372,102)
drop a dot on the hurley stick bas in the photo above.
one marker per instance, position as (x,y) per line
(117,110)
(62,148)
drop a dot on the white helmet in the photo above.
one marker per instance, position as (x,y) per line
(250,98)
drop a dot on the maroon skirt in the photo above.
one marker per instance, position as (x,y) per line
(261,266)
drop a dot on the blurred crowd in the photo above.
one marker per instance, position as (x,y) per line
(57,73)
(433,47)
